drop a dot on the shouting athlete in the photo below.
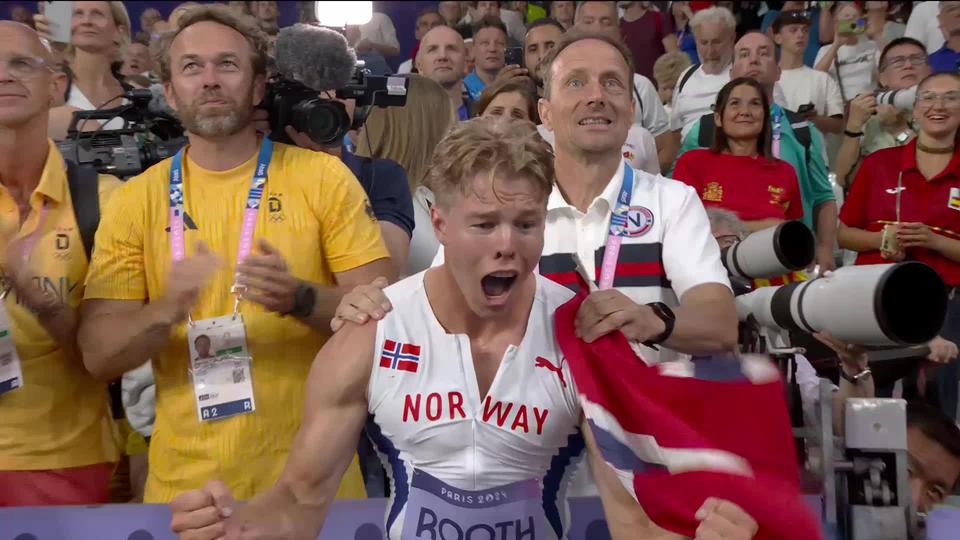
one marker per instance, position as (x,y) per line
(462,386)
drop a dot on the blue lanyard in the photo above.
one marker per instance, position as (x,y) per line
(250,212)
(617,230)
(777,127)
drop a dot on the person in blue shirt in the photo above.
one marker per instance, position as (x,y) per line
(948,56)
(489,47)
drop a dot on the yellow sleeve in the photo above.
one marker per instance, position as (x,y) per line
(117,270)
(350,235)
(106,185)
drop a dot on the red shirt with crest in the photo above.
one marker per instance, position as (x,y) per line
(872,201)
(754,188)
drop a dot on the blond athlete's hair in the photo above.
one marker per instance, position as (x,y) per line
(494,148)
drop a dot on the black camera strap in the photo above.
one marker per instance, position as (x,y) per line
(85,193)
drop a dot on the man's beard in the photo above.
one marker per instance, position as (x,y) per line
(222,122)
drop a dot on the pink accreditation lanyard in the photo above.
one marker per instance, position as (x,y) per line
(249,213)
(617,230)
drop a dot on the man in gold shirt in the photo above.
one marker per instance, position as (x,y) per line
(178,241)
(57,438)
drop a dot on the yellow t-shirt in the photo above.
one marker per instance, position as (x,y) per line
(314,213)
(60,417)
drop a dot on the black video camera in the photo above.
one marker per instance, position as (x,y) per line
(149,135)
(325,121)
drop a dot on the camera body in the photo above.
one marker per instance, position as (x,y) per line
(150,135)
(294,104)
(325,121)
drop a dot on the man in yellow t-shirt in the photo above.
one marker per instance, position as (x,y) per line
(158,266)
(57,438)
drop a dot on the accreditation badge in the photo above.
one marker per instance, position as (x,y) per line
(11,374)
(954,200)
(220,368)
(436,510)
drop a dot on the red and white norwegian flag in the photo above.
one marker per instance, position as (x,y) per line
(400,356)
(719,430)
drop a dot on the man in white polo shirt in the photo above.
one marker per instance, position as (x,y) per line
(668,285)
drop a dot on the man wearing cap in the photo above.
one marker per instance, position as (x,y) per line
(814,94)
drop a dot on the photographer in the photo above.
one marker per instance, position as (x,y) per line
(905,204)
(872,126)
(56,424)
(933,438)
(146,283)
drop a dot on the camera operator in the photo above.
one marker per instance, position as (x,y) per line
(56,424)
(933,438)
(905,204)
(146,283)
(872,126)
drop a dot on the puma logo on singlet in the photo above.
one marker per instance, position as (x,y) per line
(544,363)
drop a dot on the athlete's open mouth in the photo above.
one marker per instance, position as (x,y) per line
(498,283)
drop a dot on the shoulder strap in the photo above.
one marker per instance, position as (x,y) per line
(686,76)
(801,130)
(85,194)
(636,93)
(707,127)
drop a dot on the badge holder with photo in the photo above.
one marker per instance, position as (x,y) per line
(220,365)
(11,374)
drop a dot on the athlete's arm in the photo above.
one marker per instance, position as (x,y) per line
(334,415)
(627,520)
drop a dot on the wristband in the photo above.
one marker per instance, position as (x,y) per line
(858,378)
(854,134)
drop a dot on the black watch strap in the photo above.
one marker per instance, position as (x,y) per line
(858,378)
(304,300)
(665,314)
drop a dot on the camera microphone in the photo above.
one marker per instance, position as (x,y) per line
(319,58)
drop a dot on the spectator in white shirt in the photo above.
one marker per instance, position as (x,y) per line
(852,57)
(802,85)
(924,27)
(715,31)
(375,42)
(648,110)
(511,19)
(427,20)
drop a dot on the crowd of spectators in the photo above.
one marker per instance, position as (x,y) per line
(762,112)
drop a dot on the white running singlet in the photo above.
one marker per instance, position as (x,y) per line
(461,465)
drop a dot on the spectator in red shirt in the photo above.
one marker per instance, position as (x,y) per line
(648,34)
(738,172)
(913,193)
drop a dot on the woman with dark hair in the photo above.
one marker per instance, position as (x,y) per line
(513,99)
(738,172)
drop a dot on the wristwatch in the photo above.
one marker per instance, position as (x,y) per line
(304,299)
(858,378)
(665,314)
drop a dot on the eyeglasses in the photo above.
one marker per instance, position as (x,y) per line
(900,61)
(24,68)
(949,99)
